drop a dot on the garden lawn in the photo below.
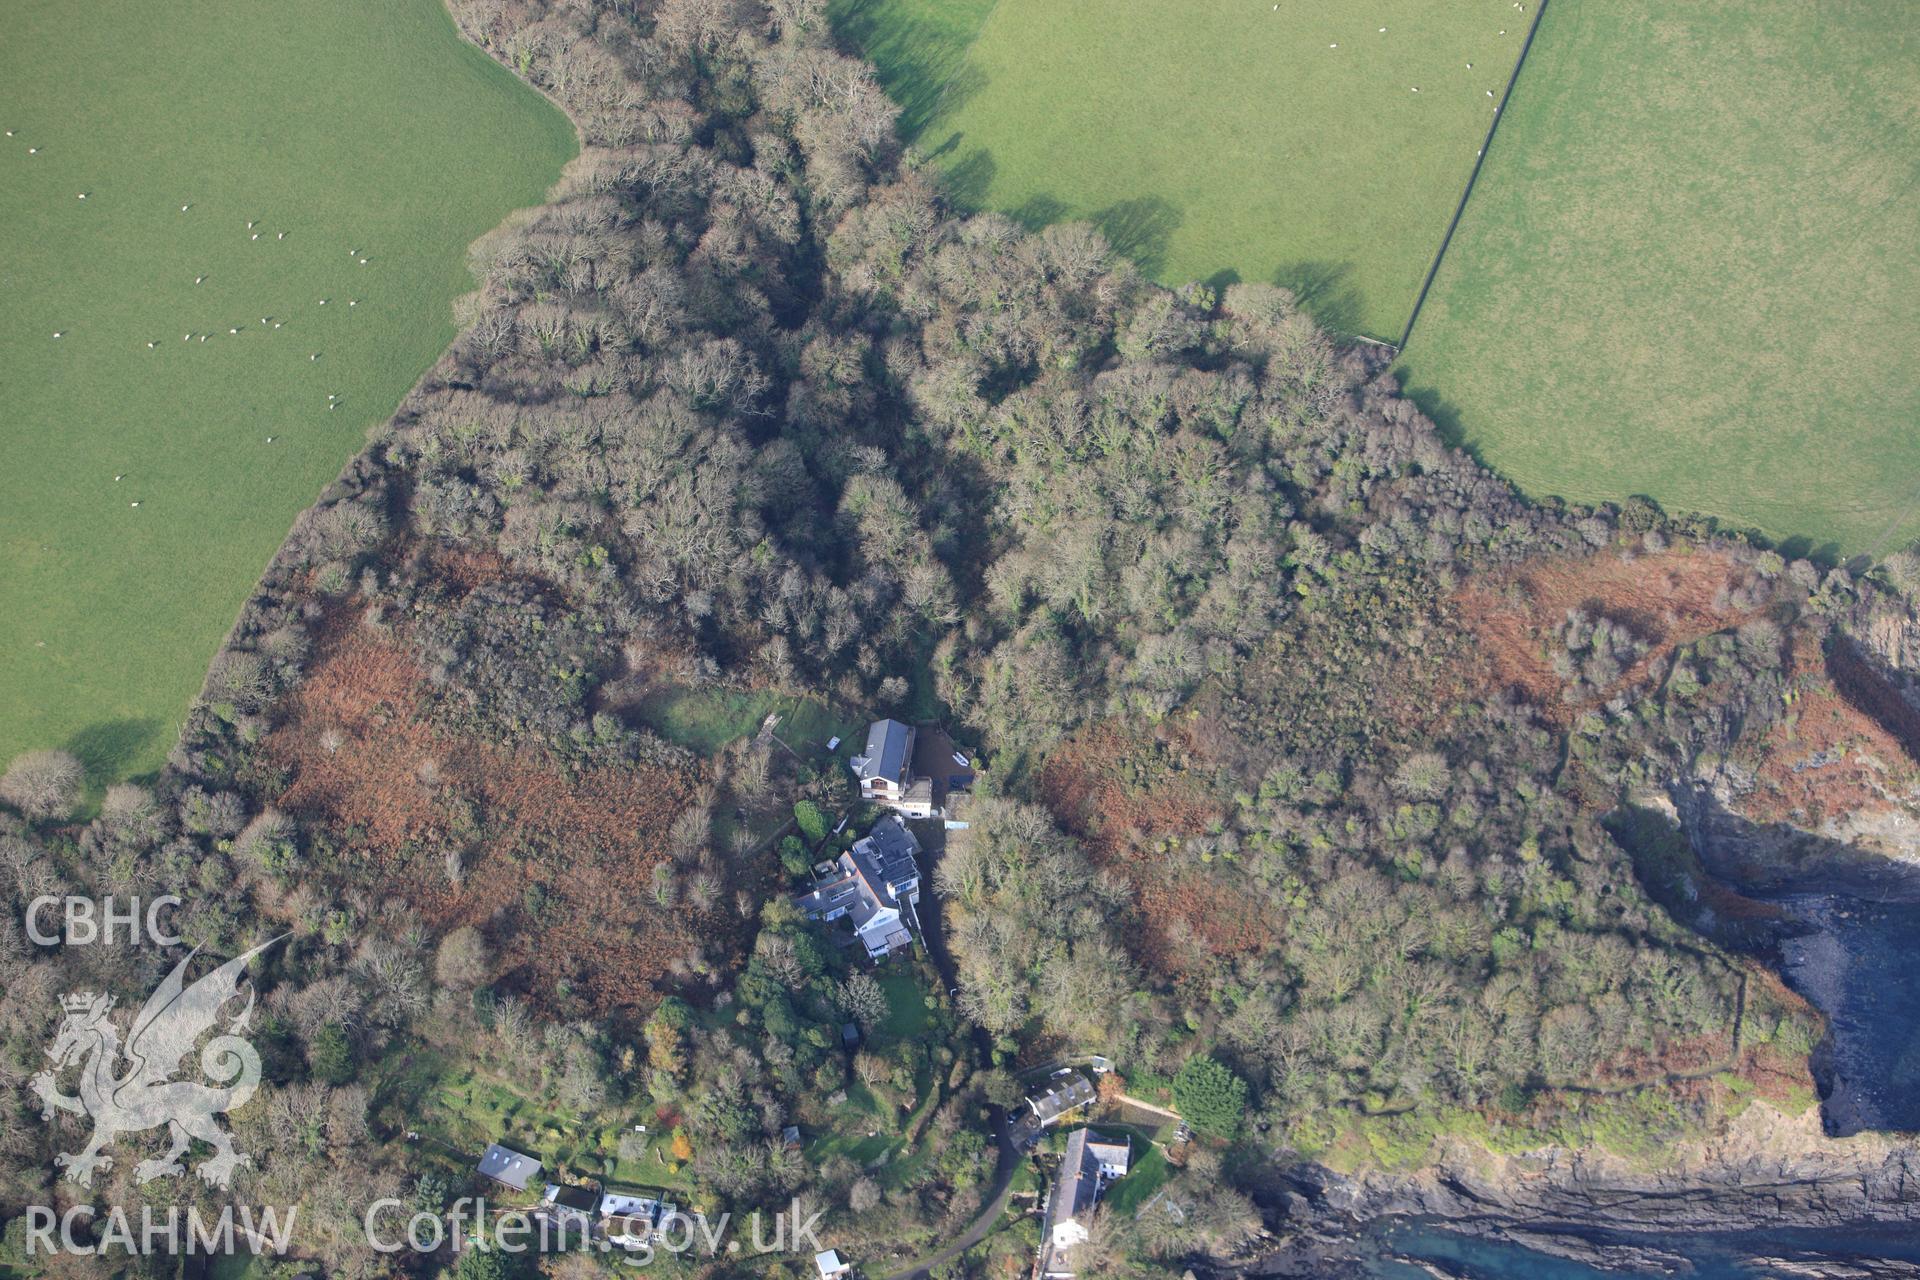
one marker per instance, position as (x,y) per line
(907,1014)
(358,128)
(1212,139)
(1147,1175)
(469,1109)
(1688,269)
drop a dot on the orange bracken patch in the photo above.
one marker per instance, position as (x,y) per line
(1825,756)
(1112,786)
(1121,790)
(1669,599)
(366,759)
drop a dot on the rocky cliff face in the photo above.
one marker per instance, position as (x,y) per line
(1825,796)
(1827,806)
(1870,849)
(1767,1168)
(1766,1173)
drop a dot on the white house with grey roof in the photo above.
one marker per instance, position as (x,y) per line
(631,1220)
(874,887)
(1092,1161)
(885,770)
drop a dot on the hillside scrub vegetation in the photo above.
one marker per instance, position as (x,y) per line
(747,407)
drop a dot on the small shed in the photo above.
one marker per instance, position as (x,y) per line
(830,1265)
(849,1034)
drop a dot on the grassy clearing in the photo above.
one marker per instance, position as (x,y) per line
(1211,139)
(362,124)
(1687,269)
(705,720)
(468,1109)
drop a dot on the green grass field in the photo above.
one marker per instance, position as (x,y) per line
(350,125)
(707,719)
(1689,268)
(1212,139)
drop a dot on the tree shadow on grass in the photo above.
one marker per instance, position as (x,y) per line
(951,145)
(1222,280)
(1444,414)
(966,181)
(922,65)
(109,749)
(1326,290)
(1038,211)
(1137,229)
(1802,547)
(1141,229)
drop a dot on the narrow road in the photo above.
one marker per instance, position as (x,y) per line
(1007,1159)
(989,1216)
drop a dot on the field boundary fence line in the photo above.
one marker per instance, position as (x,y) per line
(1479,162)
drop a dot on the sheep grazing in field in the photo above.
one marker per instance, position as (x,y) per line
(276,324)
(353,302)
(280,235)
(233,330)
(9,133)
(203,337)
(82,195)
(59,333)
(133,504)
(363,262)
(185,207)
(198,279)
(118,479)
(314,356)
(33,151)
(152,345)
(255,236)
(323,302)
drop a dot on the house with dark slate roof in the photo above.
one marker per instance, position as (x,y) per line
(874,887)
(885,770)
(1092,1161)
(1066,1091)
(508,1167)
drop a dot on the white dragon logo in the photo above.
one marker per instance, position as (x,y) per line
(146,1096)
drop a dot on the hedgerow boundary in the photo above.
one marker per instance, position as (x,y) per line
(1466,192)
